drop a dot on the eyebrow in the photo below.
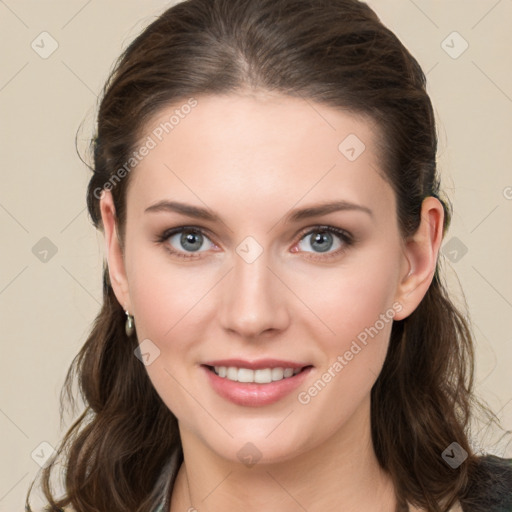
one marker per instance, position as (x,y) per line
(293,216)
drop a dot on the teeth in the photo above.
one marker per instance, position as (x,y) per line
(261,376)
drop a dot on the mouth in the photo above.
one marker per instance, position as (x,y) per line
(258,376)
(264,385)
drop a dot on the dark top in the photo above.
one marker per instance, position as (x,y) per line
(490,489)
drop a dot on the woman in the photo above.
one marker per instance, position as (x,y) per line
(275,334)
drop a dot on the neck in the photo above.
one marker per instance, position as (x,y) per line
(342,473)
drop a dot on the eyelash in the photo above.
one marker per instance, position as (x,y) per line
(346,238)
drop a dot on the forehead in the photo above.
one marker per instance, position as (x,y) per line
(258,151)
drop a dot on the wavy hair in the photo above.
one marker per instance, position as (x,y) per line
(335,52)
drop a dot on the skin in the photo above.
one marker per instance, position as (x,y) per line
(251,158)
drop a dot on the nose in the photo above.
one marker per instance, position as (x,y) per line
(254,299)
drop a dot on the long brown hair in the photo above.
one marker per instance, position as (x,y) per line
(336,52)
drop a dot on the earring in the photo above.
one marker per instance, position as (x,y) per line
(129,324)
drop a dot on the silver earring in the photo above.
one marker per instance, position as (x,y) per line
(129,324)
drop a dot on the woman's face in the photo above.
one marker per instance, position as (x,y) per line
(262,278)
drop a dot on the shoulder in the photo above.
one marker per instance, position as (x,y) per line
(490,486)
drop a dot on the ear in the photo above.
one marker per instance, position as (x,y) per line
(420,251)
(116,267)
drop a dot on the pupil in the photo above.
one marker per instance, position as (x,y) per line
(322,237)
(189,239)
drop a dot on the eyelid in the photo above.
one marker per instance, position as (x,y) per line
(343,233)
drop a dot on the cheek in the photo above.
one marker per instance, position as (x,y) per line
(172,307)
(163,293)
(356,305)
(359,313)
(351,298)
(165,299)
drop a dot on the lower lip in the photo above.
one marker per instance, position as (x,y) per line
(251,394)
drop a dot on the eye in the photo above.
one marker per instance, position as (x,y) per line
(182,240)
(186,241)
(323,238)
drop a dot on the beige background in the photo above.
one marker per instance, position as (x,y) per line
(47,307)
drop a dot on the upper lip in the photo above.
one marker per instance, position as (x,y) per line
(256,365)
